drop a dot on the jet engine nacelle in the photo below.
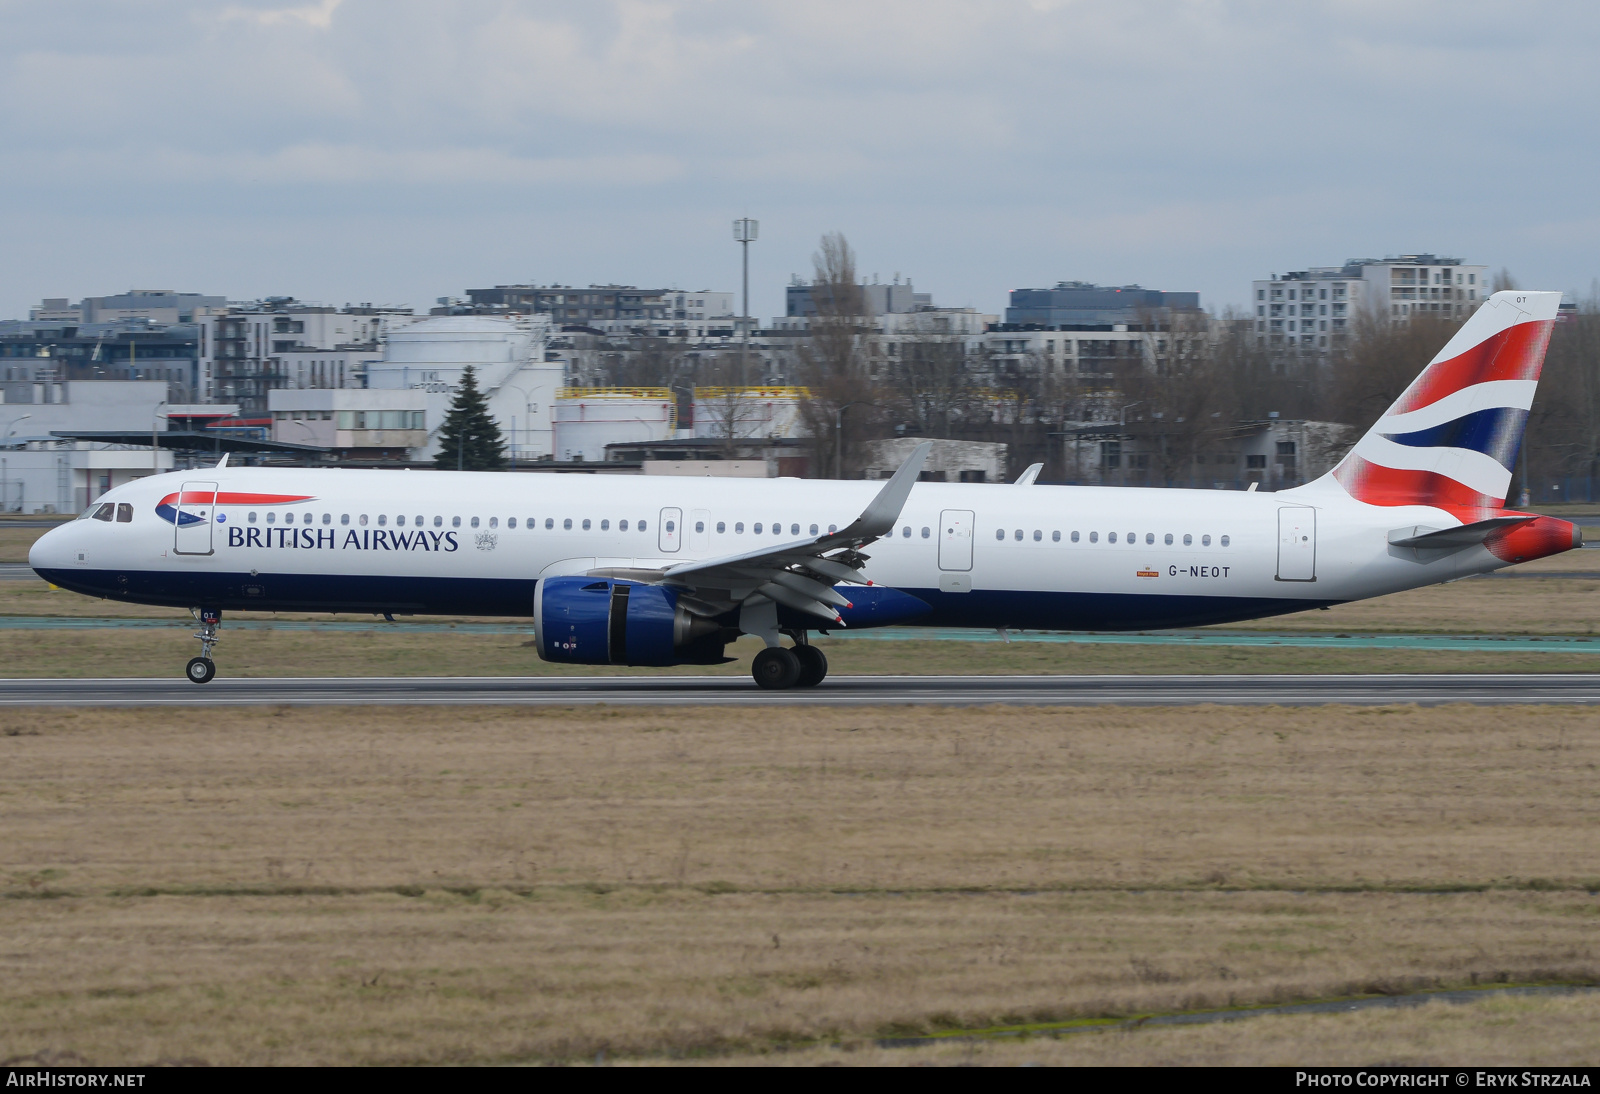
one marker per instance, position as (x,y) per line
(598,621)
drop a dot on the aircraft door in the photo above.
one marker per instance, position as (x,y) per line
(699,532)
(194,518)
(1297,543)
(955,539)
(671,529)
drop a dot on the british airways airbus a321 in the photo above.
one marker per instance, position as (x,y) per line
(668,571)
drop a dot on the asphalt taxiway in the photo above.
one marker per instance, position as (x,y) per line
(1286,690)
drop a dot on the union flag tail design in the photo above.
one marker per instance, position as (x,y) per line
(1451,440)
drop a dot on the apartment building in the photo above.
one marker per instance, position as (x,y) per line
(1312,309)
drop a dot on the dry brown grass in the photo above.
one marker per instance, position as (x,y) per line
(391,652)
(1496,1032)
(1475,606)
(432,885)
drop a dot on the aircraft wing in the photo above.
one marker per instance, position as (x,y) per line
(799,574)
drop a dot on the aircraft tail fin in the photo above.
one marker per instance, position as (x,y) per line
(1451,440)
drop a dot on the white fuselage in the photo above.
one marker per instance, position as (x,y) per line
(980,555)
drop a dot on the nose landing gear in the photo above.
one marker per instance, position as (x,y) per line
(202,669)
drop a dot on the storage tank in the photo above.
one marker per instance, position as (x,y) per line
(589,418)
(507,357)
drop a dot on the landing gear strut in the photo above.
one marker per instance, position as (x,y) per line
(200,670)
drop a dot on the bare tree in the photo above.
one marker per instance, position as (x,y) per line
(833,362)
(1563,435)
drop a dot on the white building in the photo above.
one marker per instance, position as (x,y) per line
(508,360)
(254,348)
(1312,309)
(353,421)
(47,474)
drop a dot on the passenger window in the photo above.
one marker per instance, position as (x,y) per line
(794,529)
(1169,539)
(417,521)
(1055,537)
(1223,541)
(344,518)
(813,529)
(511,522)
(438,522)
(550,522)
(363,519)
(327,518)
(1017,535)
(672,526)
(699,526)
(1074,537)
(905,533)
(494,522)
(383,519)
(455,522)
(474,522)
(1187,539)
(722,527)
(105,512)
(928,532)
(832,528)
(622,526)
(124,513)
(271,516)
(566,525)
(252,518)
(1150,538)
(756,529)
(399,522)
(1133,537)
(585,524)
(1094,537)
(605,526)
(1037,535)
(641,526)
(1110,538)
(1205,541)
(1000,533)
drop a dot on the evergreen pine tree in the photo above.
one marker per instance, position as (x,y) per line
(470,440)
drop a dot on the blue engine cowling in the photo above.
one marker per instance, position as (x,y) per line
(598,621)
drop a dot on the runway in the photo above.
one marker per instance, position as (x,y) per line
(1566,689)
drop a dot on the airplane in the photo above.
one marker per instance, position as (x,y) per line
(618,570)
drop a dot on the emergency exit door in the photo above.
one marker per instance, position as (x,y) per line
(670,530)
(194,518)
(955,539)
(1297,543)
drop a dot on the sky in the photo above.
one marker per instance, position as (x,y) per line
(396,151)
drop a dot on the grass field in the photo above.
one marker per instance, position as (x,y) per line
(427,885)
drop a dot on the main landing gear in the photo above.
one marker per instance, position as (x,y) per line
(776,668)
(202,669)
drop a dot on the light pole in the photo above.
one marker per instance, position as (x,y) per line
(745,230)
(838,434)
(1121,461)
(155,449)
(527,420)
(5,477)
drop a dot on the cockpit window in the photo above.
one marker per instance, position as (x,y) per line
(124,513)
(105,512)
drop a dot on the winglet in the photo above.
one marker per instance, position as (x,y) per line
(878,518)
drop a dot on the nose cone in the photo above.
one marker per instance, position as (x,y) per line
(52,551)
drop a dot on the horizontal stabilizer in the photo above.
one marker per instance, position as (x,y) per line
(1453,539)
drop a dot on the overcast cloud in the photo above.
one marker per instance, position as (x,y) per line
(401,150)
